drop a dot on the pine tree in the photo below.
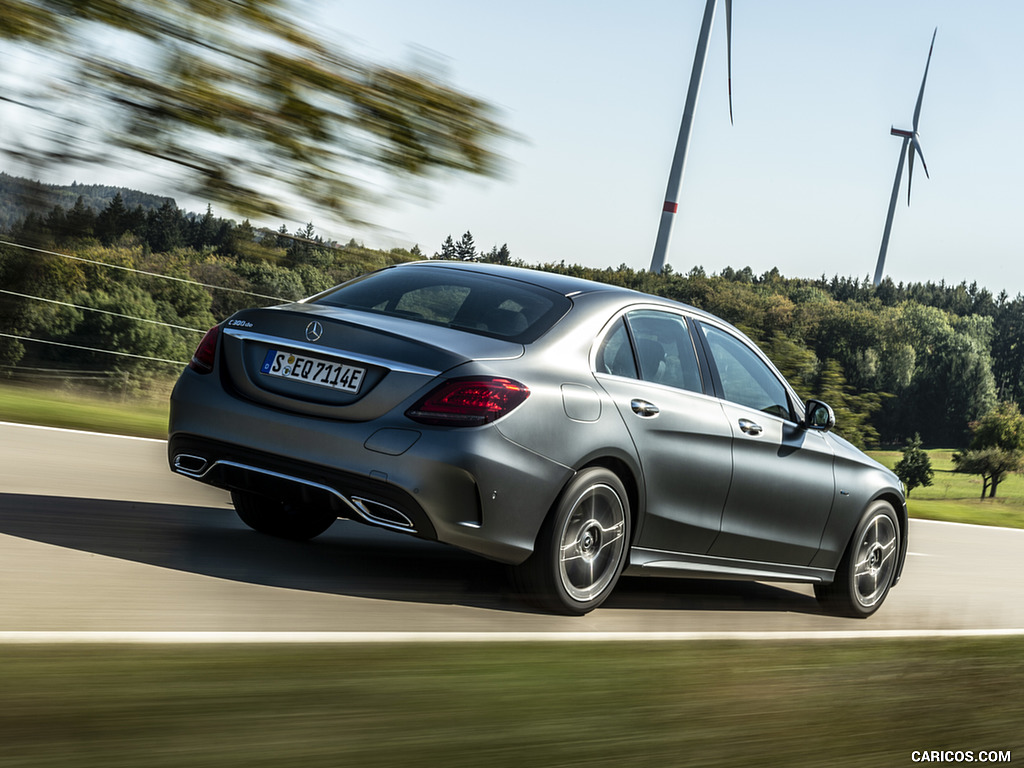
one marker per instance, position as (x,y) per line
(112,221)
(283,239)
(81,220)
(915,468)
(56,222)
(164,228)
(466,249)
(448,250)
(206,230)
(301,246)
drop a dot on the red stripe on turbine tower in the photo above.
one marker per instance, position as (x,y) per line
(670,207)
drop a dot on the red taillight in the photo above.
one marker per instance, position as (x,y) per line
(202,360)
(469,402)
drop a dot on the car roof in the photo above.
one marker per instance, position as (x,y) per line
(567,285)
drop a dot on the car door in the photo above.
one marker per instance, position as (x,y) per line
(783,481)
(648,365)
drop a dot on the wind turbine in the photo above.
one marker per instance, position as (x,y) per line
(675,175)
(911,146)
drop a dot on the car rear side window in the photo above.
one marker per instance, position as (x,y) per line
(485,304)
(659,343)
(615,356)
(664,349)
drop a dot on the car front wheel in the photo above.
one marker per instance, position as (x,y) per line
(581,548)
(283,519)
(868,567)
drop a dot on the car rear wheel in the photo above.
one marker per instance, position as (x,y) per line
(283,519)
(581,548)
(868,567)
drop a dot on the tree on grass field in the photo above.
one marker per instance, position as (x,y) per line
(993,464)
(915,468)
(997,448)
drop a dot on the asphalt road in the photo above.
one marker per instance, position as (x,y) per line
(96,534)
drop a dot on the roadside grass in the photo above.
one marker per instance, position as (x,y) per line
(848,703)
(140,416)
(951,497)
(956,498)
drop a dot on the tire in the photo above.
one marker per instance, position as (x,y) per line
(581,548)
(866,572)
(282,519)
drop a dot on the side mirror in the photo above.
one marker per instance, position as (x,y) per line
(819,416)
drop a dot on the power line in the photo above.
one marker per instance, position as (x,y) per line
(142,271)
(102,311)
(116,314)
(93,349)
(63,374)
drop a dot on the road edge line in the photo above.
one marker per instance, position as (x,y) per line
(377,638)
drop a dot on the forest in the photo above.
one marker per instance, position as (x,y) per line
(80,292)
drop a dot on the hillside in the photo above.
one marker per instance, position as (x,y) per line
(18,196)
(892,360)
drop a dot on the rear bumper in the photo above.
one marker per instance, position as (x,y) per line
(469,487)
(236,468)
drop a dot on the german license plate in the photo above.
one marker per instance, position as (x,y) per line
(288,365)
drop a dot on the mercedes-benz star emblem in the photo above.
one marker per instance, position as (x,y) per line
(314,331)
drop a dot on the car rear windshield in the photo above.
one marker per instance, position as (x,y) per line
(484,304)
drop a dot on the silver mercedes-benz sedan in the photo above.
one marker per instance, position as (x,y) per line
(573,430)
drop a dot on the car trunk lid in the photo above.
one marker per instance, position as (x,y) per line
(342,364)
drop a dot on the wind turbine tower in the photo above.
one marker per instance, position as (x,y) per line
(911,146)
(675,176)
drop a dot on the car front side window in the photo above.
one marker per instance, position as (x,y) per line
(744,377)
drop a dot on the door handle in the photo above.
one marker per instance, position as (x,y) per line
(751,428)
(644,408)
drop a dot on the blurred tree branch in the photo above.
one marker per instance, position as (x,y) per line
(245,103)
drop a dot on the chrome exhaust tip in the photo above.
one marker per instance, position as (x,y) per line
(188,464)
(382,514)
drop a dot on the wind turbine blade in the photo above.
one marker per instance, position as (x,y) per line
(920,95)
(916,145)
(728,51)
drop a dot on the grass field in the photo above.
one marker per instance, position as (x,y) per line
(596,704)
(957,498)
(138,416)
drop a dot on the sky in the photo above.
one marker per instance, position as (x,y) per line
(595,92)
(800,182)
